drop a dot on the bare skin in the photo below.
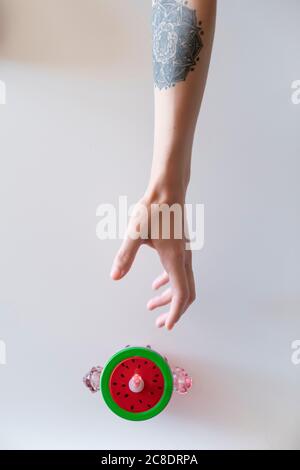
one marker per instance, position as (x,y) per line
(179,88)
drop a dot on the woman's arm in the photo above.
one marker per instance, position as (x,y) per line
(182,41)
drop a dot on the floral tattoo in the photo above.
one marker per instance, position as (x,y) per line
(177,41)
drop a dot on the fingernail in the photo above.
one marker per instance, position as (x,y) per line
(115,272)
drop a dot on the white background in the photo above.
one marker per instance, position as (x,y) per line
(76,131)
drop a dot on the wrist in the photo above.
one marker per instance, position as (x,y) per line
(165,190)
(169,178)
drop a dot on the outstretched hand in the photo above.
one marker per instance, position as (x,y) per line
(176,261)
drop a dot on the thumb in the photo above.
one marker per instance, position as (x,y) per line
(124,258)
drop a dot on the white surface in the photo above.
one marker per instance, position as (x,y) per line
(77,131)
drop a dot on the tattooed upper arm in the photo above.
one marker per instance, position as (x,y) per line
(177,41)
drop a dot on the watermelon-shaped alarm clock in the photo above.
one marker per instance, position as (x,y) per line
(137,383)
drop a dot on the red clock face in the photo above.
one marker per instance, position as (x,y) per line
(152,377)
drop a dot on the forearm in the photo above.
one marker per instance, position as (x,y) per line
(182,42)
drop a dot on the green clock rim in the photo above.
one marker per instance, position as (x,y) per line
(147,354)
